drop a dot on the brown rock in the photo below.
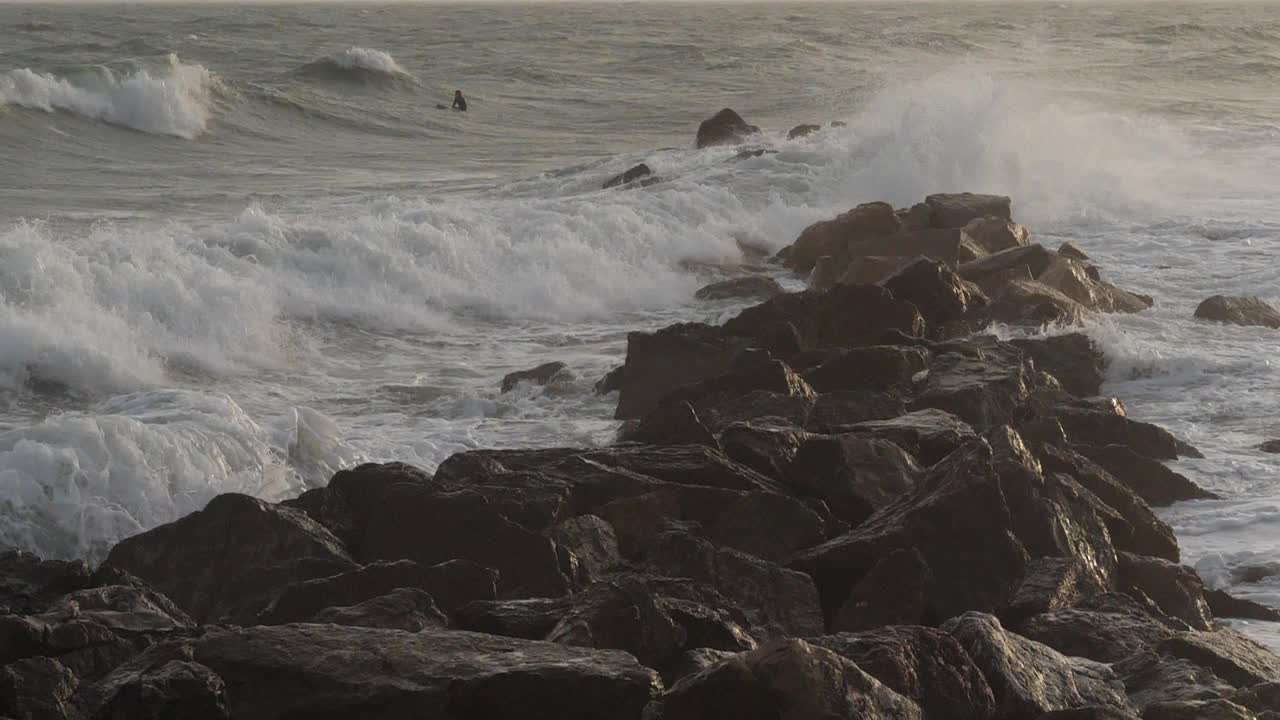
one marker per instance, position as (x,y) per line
(1239,311)
(1176,589)
(957,209)
(631,175)
(1070,250)
(844,316)
(852,474)
(994,234)
(724,128)
(662,361)
(750,286)
(834,237)
(800,131)
(541,375)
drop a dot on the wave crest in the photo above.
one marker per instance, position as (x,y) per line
(357,63)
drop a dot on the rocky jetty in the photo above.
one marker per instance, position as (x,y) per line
(845,502)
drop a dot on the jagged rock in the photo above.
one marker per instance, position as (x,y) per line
(1020,301)
(984,394)
(1176,589)
(28,584)
(227,560)
(695,661)
(1070,250)
(756,385)
(724,128)
(451,585)
(1225,605)
(1230,655)
(753,153)
(1073,279)
(407,609)
(767,445)
(800,131)
(1239,311)
(1092,427)
(593,543)
(1102,636)
(871,269)
(751,286)
(947,245)
(875,367)
(674,422)
(631,175)
(1218,709)
(1052,583)
(528,619)
(930,435)
(994,234)
(329,671)
(611,382)
(852,474)
(540,375)
(836,411)
(1072,359)
(955,508)
(1150,479)
(844,316)
(777,602)
(38,688)
(915,217)
(785,679)
(1031,260)
(923,664)
(685,465)
(1151,678)
(1089,713)
(895,591)
(947,210)
(1028,678)
(832,238)
(173,689)
(662,361)
(944,299)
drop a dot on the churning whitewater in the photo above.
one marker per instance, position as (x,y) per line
(234,258)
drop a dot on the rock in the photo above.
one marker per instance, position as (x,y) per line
(540,375)
(947,245)
(1073,279)
(983,393)
(788,679)
(451,585)
(777,602)
(1024,302)
(835,411)
(695,661)
(1270,446)
(1102,636)
(895,591)
(1176,589)
(1151,678)
(320,670)
(870,269)
(853,475)
(923,664)
(37,688)
(674,422)
(405,609)
(994,234)
(842,317)
(942,297)
(227,560)
(631,175)
(767,445)
(1150,479)
(593,543)
(749,287)
(1089,713)
(1052,583)
(800,131)
(1230,655)
(930,434)
(1070,250)
(876,367)
(753,153)
(1072,358)
(756,385)
(1224,605)
(833,238)
(1218,709)
(28,584)
(172,689)
(611,382)
(685,465)
(724,128)
(1088,426)
(656,620)
(956,210)
(662,361)
(1028,678)
(1239,311)
(528,619)
(955,508)
(1031,259)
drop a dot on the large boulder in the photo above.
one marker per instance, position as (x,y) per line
(994,234)
(662,361)
(167,688)
(1078,281)
(988,271)
(749,287)
(541,375)
(1106,636)
(930,434)
(1020,301)
(37,688)
(1091,426)
(852,474)
(1072,358)
(632,174)
(406,609)
(228,560)
(876,367)
(800,131)
(982,392)
(832,238)
(787,679)
(528,618)
(29,583)
(767,445)
(833,412)
(955,210)
(944,299)
(724,128)
(1176,589)
(1249,310)
(1228,654)
(1150,479)
(844,316)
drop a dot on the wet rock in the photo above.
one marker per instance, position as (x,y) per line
(895,591)
(753,153)
(1089,426)
(930,434)
(1239,311)
(1176,589)
(1075,280)
(673,422)
(1230,655)
(767,445)
(173,689)
(1225,605)
(1031,260)
(529,619)
(751,286)
(227,560)
(37,688)
(944,299)
(994,234)
(1051,583)
(834,412)
(405,609)
(629,176)
(28,584)
(662,361)
(451,584)
(946,245)
(685,465)
(756,385)
(1150,479)
(593,543)
(845,316)
(956,507)
(923,664)
(785,679)
(800,131)
(1270,446)
(1028,678)
(853,475)
(1151,678)
(1072,359)
(1024,302)
(948,210)
(611,382)
(724,128)
(984,394)
(876,367)
(832,238)
(1218,709)
(1102,636)
(541,375)
(1070,250)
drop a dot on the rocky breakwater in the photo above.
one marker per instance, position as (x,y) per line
(842,503)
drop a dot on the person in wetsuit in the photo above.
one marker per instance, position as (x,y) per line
(459,102)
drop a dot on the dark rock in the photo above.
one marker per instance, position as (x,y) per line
(753,153)
(662,361)
(930,435)
(895,591)
(832,238)
(852,474)
(451,584)
(407,609)
(1102,636)
(994,234)
(724,128)
(800,131)
(593,543)
(943,298)
(756,385)
(1072,359)
(1091,427)
(947,245)
(751,286)
(28,584)
(767,446)
(1230,655)
(1052,583)
(1176,589)
(984,394)
(631,175)
(227,560)
(956,508)
(845,316)
(1239,311)
(168,690)
(1150,479)
(785,679)
(1023,302)
(1028,678)
(684,465)
(1151,678)
(835,411)
(540,375)
(1218,709)
(671,423)
(870,269)
(695,661)
(1089,713)
(876,367)
(923,664)
(611,382)
(1031,260)
(529,619)
(1070,250)
(1078,281)
(1225,605)
(37,688)
(1270,446)
(957,209)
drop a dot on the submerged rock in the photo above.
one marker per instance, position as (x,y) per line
(752,286)
(631,175)
(540,375)
(1249,310)
(800,131)
(724,128)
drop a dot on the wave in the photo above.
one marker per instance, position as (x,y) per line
(175,99)
(357,64)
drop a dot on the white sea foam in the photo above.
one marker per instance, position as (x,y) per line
(173,100)
(358,58)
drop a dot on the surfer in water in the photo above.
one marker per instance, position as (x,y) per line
(459,102)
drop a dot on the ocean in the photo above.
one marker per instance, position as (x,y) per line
(241,248)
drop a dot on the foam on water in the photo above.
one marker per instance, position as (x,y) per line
(175,99)
(368,59)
